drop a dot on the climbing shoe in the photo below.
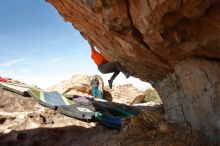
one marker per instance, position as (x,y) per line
(110,84)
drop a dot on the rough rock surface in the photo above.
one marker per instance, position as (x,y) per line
(125,93)
(80,85)
(147,36)
(192,94)
(77,85)
(151,38)
(24,122)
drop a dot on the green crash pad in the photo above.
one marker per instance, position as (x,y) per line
(113,109)
(109,115)
(49,99)
(109,120)
(19,88)
(79,111)
(63,105)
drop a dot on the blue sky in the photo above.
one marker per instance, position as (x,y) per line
(38,47)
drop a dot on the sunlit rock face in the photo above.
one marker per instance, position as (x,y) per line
(192,94)
(77,85)
(175,44)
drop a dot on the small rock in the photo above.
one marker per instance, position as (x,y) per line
(7,131)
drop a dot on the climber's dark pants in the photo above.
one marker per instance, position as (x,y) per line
(111,67)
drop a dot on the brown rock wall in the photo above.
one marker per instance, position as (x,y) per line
(191,94)
(155,39)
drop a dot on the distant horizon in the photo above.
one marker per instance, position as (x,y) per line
(140,85)
(38,47)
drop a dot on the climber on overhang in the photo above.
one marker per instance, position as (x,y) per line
(107,67)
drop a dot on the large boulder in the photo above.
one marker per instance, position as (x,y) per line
(155,39)
(125,93)
(147,36)
(192,94)
(77,85)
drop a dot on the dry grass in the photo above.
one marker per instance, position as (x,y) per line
(152,128)
(151,95)
(146,120)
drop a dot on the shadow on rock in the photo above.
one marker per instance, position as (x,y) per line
(71,135)
(107,95)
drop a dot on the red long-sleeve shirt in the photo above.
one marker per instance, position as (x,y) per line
(98,58)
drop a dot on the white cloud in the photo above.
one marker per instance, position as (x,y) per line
(15,61)
(56,60)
